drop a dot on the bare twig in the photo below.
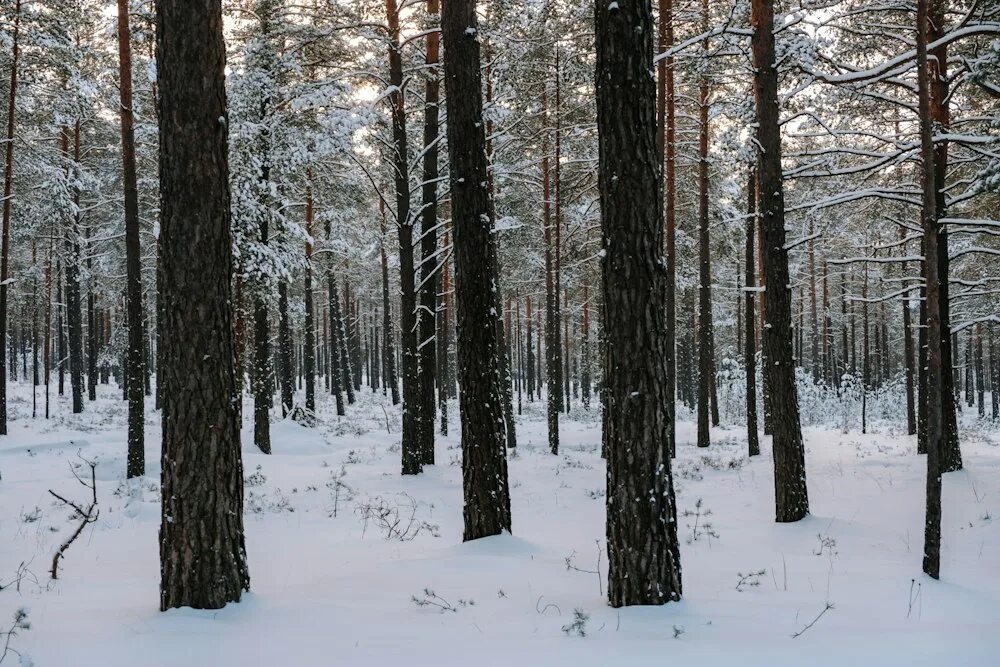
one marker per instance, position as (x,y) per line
(86,516)
(826,608)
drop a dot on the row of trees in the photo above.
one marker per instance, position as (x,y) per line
(750,210)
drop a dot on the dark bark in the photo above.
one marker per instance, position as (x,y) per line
(908,361)
(286,370)
(980,377)
(73,305)
(388,352)
(585,380)
(135,352)
(705,328)
(309,333)
(553,368)
(940,115)
(412,454)
(936,392)
(666,137)
(336,326)
(484,464)
(202,552)
(430,277)
(8,196)
(643,552)
(791,496)
(749,352)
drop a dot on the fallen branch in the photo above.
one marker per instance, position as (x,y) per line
(86,516)
(828,607)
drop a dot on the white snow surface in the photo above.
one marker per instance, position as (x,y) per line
(331,590)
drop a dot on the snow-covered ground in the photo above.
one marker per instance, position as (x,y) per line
(330,587)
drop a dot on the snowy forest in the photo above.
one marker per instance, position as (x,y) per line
(450,332)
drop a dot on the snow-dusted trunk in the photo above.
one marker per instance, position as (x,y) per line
(935,392)
(667,144)
(749,351)
(309,330)
(202,554)
(73,255)
(412,455)
(286,370)
(791,497)
(484,463)
(706,363)
(8,183)
(430,277)
(134,354)
(336,326)
(643,553)
(553,367)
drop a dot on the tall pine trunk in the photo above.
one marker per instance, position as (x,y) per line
(412,454)
(791,496)
(749,340)
(429,274)
(135,353)
(936,392)
(484,464)
(202,553)
(643,552)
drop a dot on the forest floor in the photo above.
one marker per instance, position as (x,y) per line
(353,564)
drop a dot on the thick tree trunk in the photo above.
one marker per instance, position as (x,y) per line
(643,552)
(202,554)
(484,463)
(134,355)
(430,277)
(791,496)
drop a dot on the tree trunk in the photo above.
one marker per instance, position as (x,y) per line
(429,274)
(585,351)
(309,334)
(336,326)
(908,361)
(484,464)
(940,115)
(8,184)
(553,367)
(667,144)
(202,553)
(791,496)
(134,356)
(705,329)
(936,392)
(643,553)
(749,351)
(286,370)
(74,315)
